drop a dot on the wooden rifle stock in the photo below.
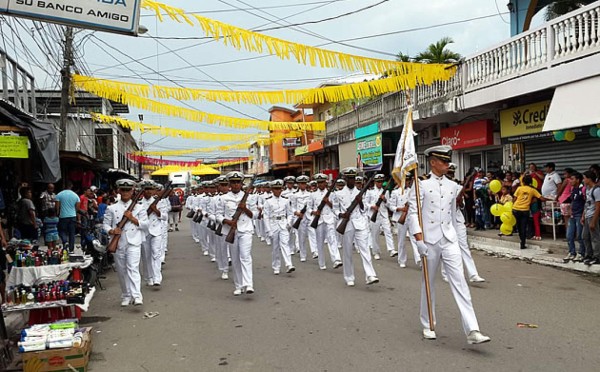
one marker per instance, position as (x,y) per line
(230,238)
(298,221)
(315,222)
(164,193)
(219,230)
(389,187)
(344,222)
(114,241)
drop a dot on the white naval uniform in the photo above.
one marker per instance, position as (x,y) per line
(212,236)
(298,201)
(203,228)
(259,227)
(189,206)
(294,241)
(128,254)
(438,200)
(325,229)
(152,244)
(241,249)
(165,233)
(221,255)
(399,200)
(382,222)
(277,214)
(357,231)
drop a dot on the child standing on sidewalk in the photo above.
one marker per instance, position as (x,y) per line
(479,209)
(51,229)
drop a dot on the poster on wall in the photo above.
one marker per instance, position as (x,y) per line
(369,155)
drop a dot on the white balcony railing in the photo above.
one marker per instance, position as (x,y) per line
(18,85)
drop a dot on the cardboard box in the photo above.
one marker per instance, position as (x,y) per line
(67,359)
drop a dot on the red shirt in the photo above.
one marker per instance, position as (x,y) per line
(83,203)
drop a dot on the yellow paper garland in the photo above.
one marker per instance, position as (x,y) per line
(337,93)
(118,95)
(251,41)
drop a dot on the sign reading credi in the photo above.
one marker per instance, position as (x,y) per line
(523,120)
(117,16)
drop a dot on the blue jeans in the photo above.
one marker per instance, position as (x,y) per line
(574,231)
(66,230)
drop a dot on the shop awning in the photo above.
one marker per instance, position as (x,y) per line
(574,105)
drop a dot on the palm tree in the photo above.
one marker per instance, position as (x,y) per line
(560,7)
(401,57)
(437,53)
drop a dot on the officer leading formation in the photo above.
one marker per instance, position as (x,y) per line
(332,220)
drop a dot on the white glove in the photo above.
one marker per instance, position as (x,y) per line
(422,248)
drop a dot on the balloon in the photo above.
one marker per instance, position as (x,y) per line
(559,135)
(570,135)
(513,221)
(495,186)
(506,229)
(598,133)
(534,183)
(496,210)
(505,217)
(593,131)
(508,207)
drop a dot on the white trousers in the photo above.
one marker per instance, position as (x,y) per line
(164,241)
(259,229)
(448,253)
(326,231)
(173,218)
(469,264)
(359,237)
(127,262)
(204,232)
(402,251)
(280,248)
(384,224)
(212,245)
(312,237)
(195,230)
(241,260)
(302,237)
(221,254)
(151,257)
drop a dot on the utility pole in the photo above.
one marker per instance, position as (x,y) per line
(65,103)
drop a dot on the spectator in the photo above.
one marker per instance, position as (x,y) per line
(524,197)
(479,210)
(576,202)
(101,207)
(591,230)
(505,197)
(551,182)
(564,193)
(84,200)
(469,197)
(508,181)
(26,223)
(67,203)
(176,207)
(51,229)
(536,175)
(48,200)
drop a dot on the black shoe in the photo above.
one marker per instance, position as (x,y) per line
(176,228)
(524,247)
(594,261)
(587,261)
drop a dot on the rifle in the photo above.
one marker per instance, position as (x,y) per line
(315,222)
(164,193)
(219,230)
(389,187)
(344,221)
(114,242)
(230,238)
(198,216)
(298,221)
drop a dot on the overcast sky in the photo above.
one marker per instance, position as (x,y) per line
(222,67)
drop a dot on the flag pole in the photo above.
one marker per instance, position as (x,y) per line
(423,257)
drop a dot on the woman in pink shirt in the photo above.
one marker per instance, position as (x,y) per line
(564,193)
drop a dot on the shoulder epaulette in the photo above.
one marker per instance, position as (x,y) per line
(281,196)
(425,177)
(268,197)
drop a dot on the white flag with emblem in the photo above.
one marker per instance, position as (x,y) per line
(406,155)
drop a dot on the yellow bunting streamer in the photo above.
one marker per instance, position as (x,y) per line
(119,95)
(179,133)
(251,41)
(237,146)
(227,163)
(293,96)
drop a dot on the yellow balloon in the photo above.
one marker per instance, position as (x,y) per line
(570,135)
(506,217)
(495,186)
(496,209)
(534,183)
(506,229)
(508,207)
(513,221)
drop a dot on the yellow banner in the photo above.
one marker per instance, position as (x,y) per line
(523,120)
(14,147)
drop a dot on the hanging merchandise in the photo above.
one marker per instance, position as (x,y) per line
(330,94)
(172,132)
(411,73)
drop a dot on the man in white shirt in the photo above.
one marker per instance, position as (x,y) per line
(551,181)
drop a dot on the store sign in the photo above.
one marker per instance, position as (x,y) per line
(463,136)
(523,120)
(369,154)
(301,150)
(117,16)
(292,142)
(14,147)
(367,130)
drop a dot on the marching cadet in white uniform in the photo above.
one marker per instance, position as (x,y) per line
(438,241)
(260,200)
(258,221)
(241,249)
(359,185)
(312,233)
(383,219)
(461,231)
(277,214)
(288,191)
(152,243)
(189,206)
(127,256)
(339,185)
(299,201)
(326,228)
(164,226)
(357,230)
(399,205)
(221,255)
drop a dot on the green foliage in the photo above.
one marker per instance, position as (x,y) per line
(561,7)
(437,53)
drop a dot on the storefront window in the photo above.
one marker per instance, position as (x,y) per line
(493,160)
(475,160)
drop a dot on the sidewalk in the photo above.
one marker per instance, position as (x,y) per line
(545,252)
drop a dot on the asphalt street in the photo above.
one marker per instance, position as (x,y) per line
(311,321)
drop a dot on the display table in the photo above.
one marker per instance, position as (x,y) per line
(33,275)
(50,304)
(548,217)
